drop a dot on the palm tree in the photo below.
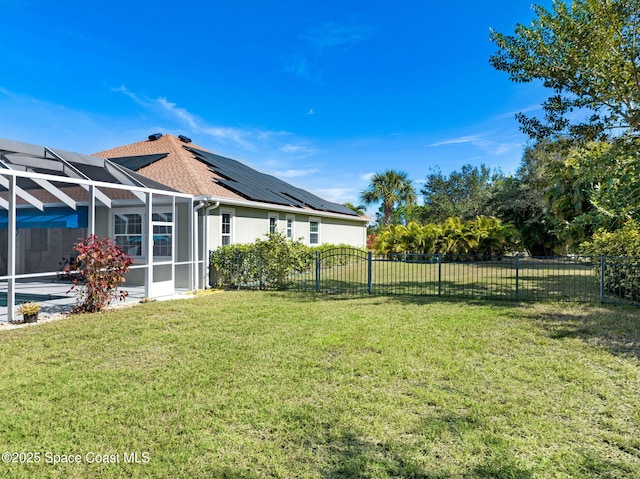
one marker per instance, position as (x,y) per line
(391,187)
(359,209)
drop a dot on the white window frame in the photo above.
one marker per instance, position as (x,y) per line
(143,218)
(315,220)
(276,217)
(291,230)
(171,224)
(232,226)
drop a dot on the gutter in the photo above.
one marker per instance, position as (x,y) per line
(288,209)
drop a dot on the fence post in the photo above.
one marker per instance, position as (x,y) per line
(369,272)
(602,266)
(261,276)
(517,277)
(439,256)
(317,271)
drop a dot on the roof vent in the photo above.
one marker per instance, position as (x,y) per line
(155,136)
(184,138)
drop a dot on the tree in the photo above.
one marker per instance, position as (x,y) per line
(359,209)
(612,170)
(465,194)
(520,201)
(393,188)
(588,53)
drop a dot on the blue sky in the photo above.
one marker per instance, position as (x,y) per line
(321,94)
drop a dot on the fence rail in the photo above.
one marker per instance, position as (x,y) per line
(603,279)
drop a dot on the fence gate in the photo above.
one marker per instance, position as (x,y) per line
(343,270)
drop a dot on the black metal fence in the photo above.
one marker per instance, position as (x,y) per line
(601,279)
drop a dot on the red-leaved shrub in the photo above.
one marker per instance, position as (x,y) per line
(102,266)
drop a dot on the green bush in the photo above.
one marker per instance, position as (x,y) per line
(270,263)
(233,265)
(476,239)
(265,263)
(622,249)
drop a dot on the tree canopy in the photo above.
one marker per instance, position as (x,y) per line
(579,177)
(465,193)
(588,54)
(393,188)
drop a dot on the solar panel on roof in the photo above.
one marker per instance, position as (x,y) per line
(140,161)
(257,186)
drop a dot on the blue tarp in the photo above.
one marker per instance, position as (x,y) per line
(58,217)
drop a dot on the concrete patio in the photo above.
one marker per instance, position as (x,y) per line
(64,300)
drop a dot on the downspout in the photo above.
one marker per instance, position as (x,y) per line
(205,243)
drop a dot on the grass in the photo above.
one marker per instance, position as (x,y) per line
(255,384)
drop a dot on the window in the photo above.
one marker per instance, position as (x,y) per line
(225,229)
(162,217)
(162,234)
(128,232)
(273,223)
(162,238)
(290,226)
(314,232)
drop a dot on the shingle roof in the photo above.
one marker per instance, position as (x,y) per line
(192,169)
(177,169)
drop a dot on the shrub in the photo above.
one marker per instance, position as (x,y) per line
(279,257)
(270,263)
(476,239)
(233,265)
(622,247)
(102,268)
(266,263)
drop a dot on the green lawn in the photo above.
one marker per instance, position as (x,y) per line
(257,384)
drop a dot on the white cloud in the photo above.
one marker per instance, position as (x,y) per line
(488,143)
(336,194)
(294,173)
(244,138)
(473,139)
(510,115)
(220,133)
(298,151)
(329,35)
(299,67)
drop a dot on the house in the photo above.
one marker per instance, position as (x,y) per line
(235,203)
(50,198)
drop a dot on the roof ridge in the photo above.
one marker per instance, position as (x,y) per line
(192,169)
